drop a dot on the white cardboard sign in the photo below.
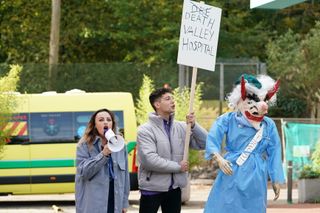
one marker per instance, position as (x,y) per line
(199,35)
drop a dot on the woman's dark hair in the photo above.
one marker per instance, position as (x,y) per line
(91,131)
(156,94)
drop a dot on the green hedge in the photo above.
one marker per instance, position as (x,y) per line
(125,77)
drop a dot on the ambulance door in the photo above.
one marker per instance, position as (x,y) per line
(53,148)
(15,159)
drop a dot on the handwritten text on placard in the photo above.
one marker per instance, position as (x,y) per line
(199,35)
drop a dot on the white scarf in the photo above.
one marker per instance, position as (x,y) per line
(251,146)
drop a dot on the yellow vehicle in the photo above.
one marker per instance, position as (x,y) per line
(40,156)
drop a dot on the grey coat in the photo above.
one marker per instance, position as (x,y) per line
(159,157)
(92,179)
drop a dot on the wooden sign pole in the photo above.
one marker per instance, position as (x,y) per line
(188,130)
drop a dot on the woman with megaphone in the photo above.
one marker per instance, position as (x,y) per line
(102,177)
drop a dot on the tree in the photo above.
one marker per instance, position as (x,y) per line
(241,26)
(84,32)
(295,59)
(137,31)
(54,41)
(8,85)
(316,156)
(24,31)
(148,30)
(143,106)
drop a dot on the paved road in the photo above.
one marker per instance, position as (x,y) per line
(199,194)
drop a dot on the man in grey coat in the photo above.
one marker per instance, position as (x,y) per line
(162,170)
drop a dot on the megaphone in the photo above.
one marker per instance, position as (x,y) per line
(114,144)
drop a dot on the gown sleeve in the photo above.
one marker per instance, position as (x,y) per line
(275,169)
(215,136)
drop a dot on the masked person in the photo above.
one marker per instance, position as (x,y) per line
(253,149)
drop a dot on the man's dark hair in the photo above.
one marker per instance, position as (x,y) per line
(156,94)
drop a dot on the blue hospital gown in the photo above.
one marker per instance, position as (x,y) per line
(245,191)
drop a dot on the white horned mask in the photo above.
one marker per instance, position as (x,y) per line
(252,95)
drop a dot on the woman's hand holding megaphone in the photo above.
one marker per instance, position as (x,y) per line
(106,151)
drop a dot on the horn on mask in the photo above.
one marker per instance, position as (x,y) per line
(273,91)
(243,88)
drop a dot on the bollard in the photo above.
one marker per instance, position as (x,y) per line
(289,183)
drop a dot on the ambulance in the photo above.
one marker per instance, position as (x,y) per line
(45,129)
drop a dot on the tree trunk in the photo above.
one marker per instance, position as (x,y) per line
(54,42)
(315,111)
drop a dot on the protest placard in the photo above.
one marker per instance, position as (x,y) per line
(199,35)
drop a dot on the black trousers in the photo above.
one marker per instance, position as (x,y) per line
(170,202)
(111,197)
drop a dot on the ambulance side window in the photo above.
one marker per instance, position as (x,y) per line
(46,127)
(119,120)
(53,127)
(81,120)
